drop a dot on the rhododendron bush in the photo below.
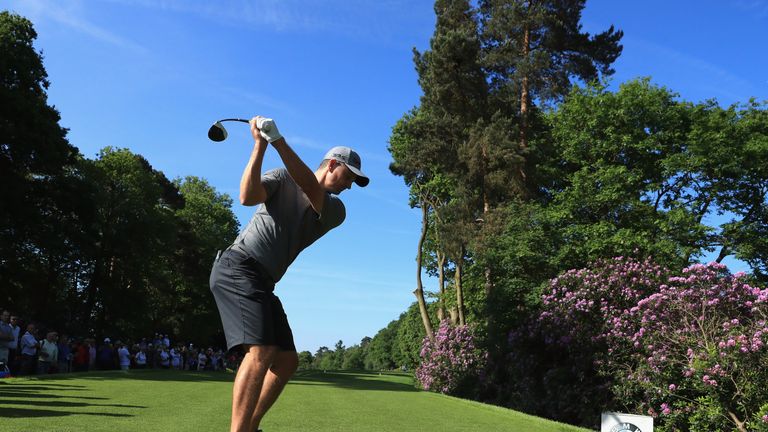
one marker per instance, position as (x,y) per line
(553,359)
(696,351)
(452,362)
(690,349)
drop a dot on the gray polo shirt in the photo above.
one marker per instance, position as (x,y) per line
(286,223)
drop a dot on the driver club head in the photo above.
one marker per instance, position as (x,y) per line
(217,132)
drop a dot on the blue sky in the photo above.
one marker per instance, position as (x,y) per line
(152,75)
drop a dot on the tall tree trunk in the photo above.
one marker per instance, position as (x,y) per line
(441,283)
(726,250)
(419,291)
(459,288)
(524,88)
(486,209)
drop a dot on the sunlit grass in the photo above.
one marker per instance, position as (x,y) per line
(177,401)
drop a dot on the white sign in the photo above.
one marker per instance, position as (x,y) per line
(618,422)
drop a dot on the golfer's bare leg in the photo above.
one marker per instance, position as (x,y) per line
(248,384)
(283,367)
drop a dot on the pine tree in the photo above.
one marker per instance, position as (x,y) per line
(532,50)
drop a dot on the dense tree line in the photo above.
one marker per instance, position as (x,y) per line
(103,246)
(395,347)
(525,164)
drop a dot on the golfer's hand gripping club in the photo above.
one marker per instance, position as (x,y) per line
(268,129)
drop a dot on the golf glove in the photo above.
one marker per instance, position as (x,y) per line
(268,129)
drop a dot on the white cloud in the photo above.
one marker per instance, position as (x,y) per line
(359,18)
(73,15)
(259,100)
(758,8)
(722,80)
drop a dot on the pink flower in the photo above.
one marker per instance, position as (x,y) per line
(665,409)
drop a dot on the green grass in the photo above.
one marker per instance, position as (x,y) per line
(177,401)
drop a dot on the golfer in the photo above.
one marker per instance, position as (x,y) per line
(299,207)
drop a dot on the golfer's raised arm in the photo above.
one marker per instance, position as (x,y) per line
(252,192)
(301,174)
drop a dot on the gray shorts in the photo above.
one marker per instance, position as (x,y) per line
(250,312)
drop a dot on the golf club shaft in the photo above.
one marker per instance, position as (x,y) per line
(234,119)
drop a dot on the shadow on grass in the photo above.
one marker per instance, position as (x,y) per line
(6,412)
(21,392)
(353,380)
(39,397)
(52,404)
(164,375)
(44,386)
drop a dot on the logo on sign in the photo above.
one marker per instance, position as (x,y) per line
(625,427)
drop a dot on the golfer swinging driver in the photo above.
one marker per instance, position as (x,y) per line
(299,207)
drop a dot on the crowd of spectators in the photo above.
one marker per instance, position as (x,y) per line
(22,353)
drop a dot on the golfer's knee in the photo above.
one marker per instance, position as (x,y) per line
(286,365)
(260,357)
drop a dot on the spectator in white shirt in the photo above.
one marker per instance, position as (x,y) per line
(201,359)
(164,358)
(175,358)
(49,354)
(141,359)
(124,357)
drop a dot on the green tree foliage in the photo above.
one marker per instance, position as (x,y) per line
(533,48)
(408,339)
(521,177)
(135,236)
(354,358)
(472,145)
(96,246)
(728,156)
(305,360)
(426,142)
(323,359)
(380,350)
(643,171)
(207,224)
(621,190)
(39,188)
(638,176)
